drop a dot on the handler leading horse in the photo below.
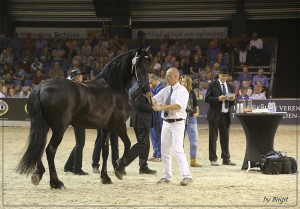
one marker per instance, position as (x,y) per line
(101,103)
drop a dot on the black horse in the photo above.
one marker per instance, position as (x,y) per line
(101,103)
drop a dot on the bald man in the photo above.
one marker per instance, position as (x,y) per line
(172,101)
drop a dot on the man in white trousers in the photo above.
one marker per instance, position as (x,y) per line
(172,101)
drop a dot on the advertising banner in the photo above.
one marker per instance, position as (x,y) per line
(183,33)
(16,109)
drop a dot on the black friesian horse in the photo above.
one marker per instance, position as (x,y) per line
(101,103)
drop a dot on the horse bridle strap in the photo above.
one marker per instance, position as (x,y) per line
(134,63)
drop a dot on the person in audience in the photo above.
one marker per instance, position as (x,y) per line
(75,65)
(45,56)
(12,94)
(175,49)
(185,53)
(242,49)
(36,65)
(168,62)
(246,84)
(9,82)
(7,56)
(25,92)
(19,76)
(243,95)
(25,65)
(264,90)
(28,44)
(5,70)
(195,66)
(255,49)
(260,77)
(3,90)
(16,45)
(227,50)
(95,71)
(58,52)
(257,95)
(155,66)
(202,90)
(245,76)
(56,71)
(86,49)
(212,52)
(38,78)
(40,43)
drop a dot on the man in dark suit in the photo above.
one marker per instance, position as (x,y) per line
(141,121)
(218,116)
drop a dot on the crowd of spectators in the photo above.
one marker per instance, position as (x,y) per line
(26,62)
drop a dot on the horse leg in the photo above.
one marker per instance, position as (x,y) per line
(105,151)
(122,162)
(51,151)
(38,173)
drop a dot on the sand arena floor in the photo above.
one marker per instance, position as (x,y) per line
(213,187)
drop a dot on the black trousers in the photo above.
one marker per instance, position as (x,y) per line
(98,146)
(74,161)
(141,148)
(223,127)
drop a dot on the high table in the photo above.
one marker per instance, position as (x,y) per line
(260,129)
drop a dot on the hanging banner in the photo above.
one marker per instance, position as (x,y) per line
(72,33)
(183,33)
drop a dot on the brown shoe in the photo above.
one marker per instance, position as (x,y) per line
(194,162)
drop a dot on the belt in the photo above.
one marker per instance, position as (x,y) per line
(173,120)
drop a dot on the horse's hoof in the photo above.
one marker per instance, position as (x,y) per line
(118,174)
(57,185)
(61,187)
(35,179)
(106,181)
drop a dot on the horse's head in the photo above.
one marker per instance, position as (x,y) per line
(140,65)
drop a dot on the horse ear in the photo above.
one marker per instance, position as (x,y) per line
(148,49)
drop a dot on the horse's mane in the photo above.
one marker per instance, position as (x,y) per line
(117,72)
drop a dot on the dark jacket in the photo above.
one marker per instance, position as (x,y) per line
(141,110)
(212,98)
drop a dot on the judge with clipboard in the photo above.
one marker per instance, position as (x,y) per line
(220,97)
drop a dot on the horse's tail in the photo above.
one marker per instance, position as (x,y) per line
(38,134)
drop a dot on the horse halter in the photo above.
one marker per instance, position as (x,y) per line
(134,66)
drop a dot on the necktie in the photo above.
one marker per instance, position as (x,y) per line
(166,113)
(224,93)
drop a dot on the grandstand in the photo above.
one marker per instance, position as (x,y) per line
(276,22)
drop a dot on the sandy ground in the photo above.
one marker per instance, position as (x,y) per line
(213,187)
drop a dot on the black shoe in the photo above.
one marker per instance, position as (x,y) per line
(147,171)
(123,171)
(80,172)
(68,169)
(228,162)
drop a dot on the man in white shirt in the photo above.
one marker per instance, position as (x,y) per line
(255,49)
(172,101)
